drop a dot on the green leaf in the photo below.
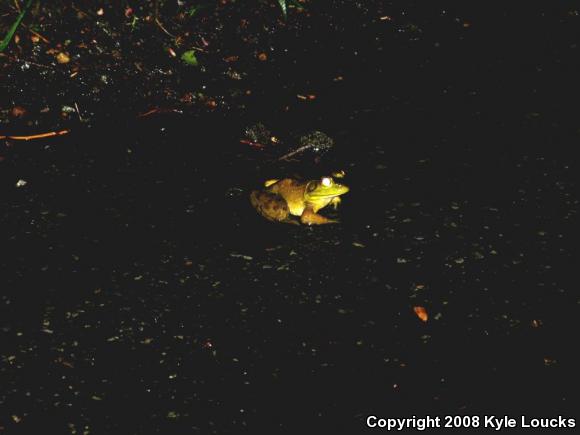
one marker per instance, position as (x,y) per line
(296,4)
(189,58)
(12,30)
(282,4)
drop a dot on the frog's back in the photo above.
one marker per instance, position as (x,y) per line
(270,205)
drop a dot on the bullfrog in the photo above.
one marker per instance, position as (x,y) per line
(281,199)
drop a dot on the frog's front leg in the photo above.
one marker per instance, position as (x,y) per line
(335,201)
(309,217)
(271,206)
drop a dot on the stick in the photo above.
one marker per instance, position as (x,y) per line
(37,136)
(39,35)
(299,150)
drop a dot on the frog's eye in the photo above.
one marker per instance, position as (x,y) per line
(326,181)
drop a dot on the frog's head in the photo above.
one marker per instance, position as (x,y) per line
(325,188)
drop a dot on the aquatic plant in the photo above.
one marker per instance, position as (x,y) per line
(282,4)
(12,29)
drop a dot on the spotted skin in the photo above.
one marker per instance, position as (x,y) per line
(272,206)
(285,198)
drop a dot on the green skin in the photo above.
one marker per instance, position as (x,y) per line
(282,199)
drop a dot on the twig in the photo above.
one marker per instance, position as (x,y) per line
(78,112)
(4,43)
(38,64)
(158,110)
(39,35)
(163,28)
(298,151)
(252,143)
(157,21)
(37,136)
(149,112)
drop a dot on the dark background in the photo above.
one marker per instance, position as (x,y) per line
(141,293)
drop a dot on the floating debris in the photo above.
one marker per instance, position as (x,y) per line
(245,257)
(421,313)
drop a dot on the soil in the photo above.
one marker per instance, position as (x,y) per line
(139,291)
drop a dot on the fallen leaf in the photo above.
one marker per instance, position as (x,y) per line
(62,58)
(421,313)
(18,111)
(189,58)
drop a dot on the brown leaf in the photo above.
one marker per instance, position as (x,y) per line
(421,313)
(18,111)
(62,58)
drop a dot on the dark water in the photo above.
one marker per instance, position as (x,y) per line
(140,293)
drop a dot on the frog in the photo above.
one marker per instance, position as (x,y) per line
(281,200)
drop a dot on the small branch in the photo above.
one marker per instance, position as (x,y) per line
(37,136)
(252,143)
(39,35)
(298,151)
(79,112)
(163,28)
(38,64)
(158,110)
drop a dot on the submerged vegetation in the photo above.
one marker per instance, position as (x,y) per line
(12,29)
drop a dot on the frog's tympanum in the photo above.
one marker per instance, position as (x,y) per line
(282,199)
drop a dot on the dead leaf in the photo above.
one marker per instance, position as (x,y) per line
(421,313)
(18,111)
(62,58)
